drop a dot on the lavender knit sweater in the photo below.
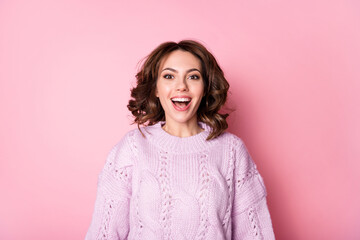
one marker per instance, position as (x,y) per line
(166,187)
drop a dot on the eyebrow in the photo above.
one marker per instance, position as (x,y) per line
(173,70)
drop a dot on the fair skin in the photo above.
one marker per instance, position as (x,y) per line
(180,88)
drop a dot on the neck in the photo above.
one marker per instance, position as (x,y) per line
(182,129)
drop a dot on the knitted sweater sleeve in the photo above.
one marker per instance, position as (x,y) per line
(250,214)
(110,218)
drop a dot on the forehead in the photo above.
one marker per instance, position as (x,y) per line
(180,59)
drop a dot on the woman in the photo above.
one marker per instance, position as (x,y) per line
(181,176)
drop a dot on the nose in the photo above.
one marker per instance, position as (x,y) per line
(181,85)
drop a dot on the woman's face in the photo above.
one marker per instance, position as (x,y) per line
(180,87)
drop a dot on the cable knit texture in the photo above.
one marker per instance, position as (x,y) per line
(165,187)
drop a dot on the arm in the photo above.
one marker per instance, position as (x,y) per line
(110,218)
(250,214)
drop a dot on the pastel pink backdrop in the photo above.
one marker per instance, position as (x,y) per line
(66,68)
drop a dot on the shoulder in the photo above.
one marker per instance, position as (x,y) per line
(130,140)
(239,153)
(122,153)
(232,140)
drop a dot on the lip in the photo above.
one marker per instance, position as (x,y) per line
(178,108)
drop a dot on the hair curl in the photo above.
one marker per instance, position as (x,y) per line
(146,107)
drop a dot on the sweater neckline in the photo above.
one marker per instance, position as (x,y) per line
(172,143)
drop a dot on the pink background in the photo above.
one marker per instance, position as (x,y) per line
(66,68)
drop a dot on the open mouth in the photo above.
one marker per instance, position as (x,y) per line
(181,103)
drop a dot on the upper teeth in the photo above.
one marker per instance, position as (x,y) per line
(181,99)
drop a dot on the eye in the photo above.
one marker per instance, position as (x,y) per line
(168,76)
(194,77)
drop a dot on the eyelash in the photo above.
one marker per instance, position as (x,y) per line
(195,77)
(169,76)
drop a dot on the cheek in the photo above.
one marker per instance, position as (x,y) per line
(162,91)
(200,90)
(158,90)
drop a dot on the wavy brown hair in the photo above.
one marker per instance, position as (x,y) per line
(146,107)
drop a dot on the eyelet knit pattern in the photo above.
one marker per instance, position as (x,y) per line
(233,145)
(134,148)
(203,196)
(243,178)
(166,205)
(108,214)
(254,223)
(165,187)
